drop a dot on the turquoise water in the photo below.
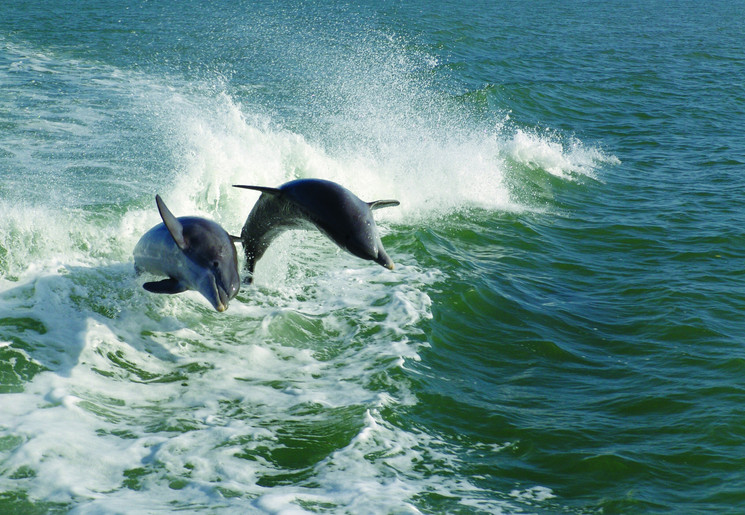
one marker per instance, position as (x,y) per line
(562,332)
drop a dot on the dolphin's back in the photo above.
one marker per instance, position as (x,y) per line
(157,253)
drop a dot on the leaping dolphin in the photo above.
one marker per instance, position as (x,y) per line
(313,204)
(194,253)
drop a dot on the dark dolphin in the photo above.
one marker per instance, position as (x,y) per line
(313,204)
(194,253)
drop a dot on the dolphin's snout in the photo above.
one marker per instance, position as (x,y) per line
(214,292)
(223,299)
(383,259)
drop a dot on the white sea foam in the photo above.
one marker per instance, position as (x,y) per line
(106,386)
(547,152)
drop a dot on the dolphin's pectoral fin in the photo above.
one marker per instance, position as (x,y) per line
(383,203)
(165,286)
(171,222)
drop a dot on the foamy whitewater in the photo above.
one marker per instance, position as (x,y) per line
(330,384)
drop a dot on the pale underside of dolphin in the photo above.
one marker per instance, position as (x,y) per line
(313,204)
(193,253)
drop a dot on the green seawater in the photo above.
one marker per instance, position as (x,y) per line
(563,329)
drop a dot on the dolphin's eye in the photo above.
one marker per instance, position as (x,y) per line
(215,264)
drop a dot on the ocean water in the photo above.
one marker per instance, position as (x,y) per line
(562,333)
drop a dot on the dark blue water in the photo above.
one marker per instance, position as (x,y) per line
(563,329)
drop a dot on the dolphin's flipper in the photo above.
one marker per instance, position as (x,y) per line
(263,189)
(383,203)
(169,286)
(172,224)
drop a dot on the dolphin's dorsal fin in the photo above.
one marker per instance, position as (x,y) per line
(171,222)
(377,204)
(263,189)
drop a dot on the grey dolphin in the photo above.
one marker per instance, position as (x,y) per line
(313,204)
(194,253)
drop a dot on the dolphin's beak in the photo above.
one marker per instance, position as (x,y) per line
(221,302)
(384,260)
(214,293)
